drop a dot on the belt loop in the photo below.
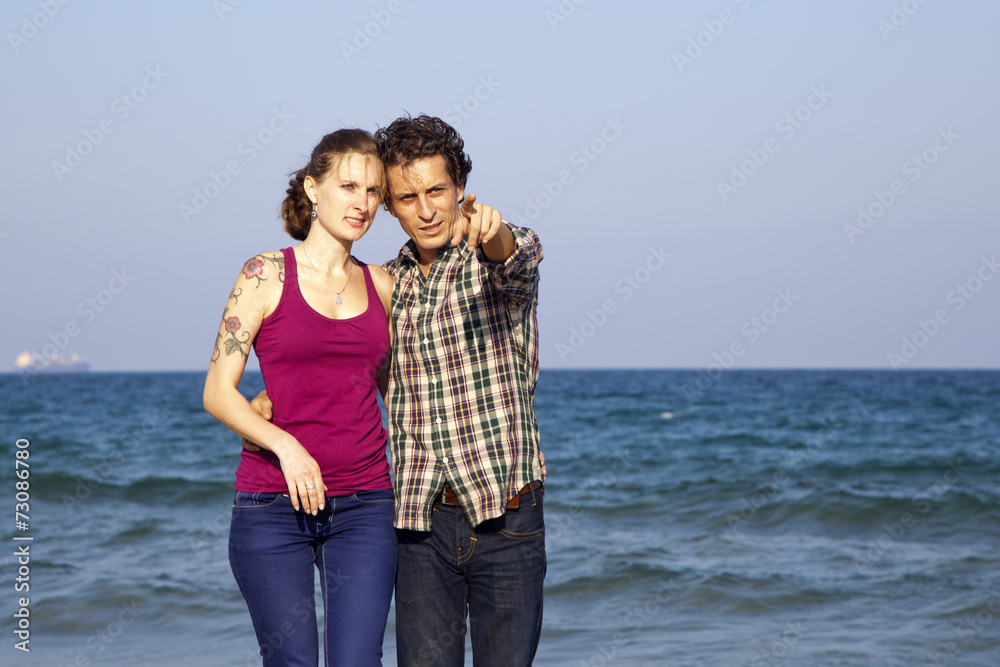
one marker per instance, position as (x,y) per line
(537,491)
(530,487)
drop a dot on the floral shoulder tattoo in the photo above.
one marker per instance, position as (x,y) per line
(254,268)
(230,337)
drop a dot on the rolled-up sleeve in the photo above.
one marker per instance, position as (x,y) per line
(517,278)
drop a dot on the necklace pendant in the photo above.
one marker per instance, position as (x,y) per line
(339,301)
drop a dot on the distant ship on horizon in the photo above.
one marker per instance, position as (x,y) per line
(55,364)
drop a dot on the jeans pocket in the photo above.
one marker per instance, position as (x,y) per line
(245,500)
(525,522)
(375,497)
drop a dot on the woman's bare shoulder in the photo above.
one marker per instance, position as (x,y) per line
(382,281)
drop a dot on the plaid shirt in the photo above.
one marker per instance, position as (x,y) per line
(462,381)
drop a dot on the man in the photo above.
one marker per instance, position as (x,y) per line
(461,412)
(465,445)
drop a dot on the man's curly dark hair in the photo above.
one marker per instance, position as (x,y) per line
(408,139)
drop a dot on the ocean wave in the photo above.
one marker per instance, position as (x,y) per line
(73,490)
(956,511)
(614,577)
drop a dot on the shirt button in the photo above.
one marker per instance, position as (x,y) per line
(437,421)
(444,460)
(434,381)
(424,341)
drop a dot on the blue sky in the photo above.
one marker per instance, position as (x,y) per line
(733,182)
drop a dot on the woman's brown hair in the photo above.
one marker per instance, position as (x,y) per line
(296,209)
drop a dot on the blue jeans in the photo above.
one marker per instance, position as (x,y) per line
(494,571)
(273,550)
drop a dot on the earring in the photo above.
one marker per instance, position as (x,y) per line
(313,214)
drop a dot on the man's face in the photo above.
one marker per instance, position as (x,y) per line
(426,202)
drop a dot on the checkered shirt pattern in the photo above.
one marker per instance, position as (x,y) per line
(462,381)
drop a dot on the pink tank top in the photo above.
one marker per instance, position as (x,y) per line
(320,373)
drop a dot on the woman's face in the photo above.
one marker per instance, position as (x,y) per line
(348,196)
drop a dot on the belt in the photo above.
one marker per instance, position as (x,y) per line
(448,496)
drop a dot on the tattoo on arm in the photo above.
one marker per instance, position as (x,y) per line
(254,268)
(235,341)
(279,262)
(230,337)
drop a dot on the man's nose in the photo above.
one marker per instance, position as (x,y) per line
(424,208)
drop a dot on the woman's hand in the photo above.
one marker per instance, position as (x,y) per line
(303,477)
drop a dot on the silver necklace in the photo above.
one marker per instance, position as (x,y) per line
(350,270)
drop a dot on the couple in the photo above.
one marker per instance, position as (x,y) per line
(447,333)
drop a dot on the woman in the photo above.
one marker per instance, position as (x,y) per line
(317,492)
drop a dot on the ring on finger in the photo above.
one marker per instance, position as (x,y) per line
(310,487)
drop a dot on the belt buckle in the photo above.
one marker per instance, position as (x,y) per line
(444,497)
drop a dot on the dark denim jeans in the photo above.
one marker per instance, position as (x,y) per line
(494,572)
(273,550)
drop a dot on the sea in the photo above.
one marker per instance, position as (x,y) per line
(693,518)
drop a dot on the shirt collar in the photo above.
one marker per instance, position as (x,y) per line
(446,256)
